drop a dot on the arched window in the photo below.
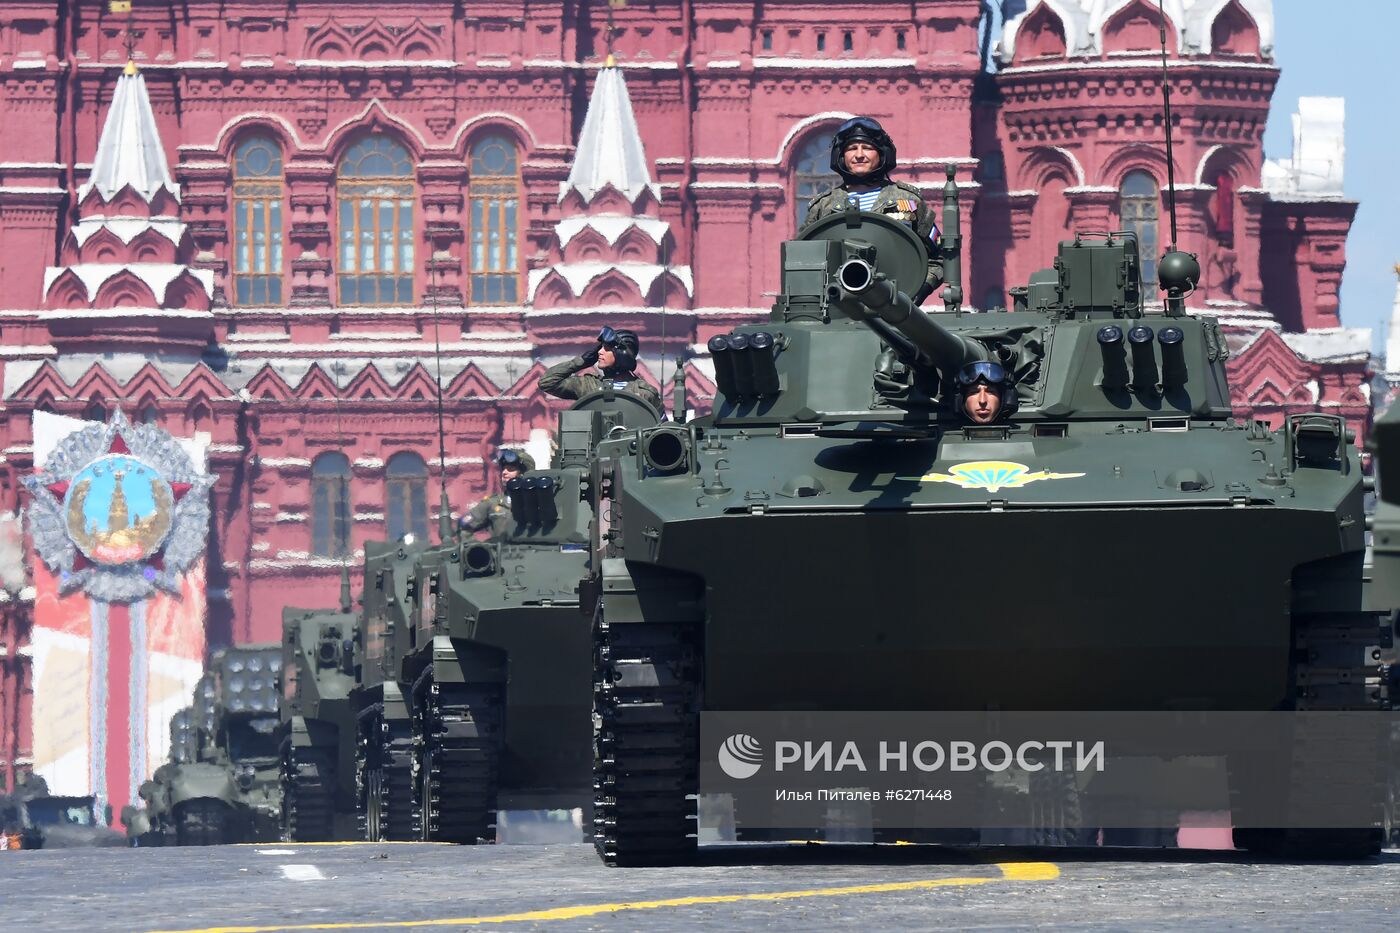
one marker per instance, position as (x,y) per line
(330,505)
(376,192)
(1139,210)
(95,411)
(150,414)
(812,174)
(495,197)
(407,479)
(257,222)
(1222,209)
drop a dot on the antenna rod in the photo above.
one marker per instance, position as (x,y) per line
(1167,108)
(444,506)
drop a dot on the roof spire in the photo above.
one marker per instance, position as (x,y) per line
(129,151)
(1392,341)
(610,147)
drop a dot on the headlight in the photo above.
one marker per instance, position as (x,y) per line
(235,684)
(254,665)
(235,665)
(246,775)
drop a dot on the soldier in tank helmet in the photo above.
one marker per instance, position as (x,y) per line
(863,154)
(493,512)
(986,393)
(615,355)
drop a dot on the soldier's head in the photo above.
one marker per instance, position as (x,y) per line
(617,351)
(513,463)
(986,393)
(861,151)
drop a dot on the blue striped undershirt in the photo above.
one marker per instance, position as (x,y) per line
(865,200)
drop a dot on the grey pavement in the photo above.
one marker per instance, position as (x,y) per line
(371,886)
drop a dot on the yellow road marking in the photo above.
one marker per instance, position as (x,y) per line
(1010,871)
(1029,871)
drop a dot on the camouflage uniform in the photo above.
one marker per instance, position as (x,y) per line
(897,201)
(491,513)
(564,380)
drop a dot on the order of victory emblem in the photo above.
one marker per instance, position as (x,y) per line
(993,475)
(119,510)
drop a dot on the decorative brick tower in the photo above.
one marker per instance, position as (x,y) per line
(610,259)
(1074,143)
(124,283)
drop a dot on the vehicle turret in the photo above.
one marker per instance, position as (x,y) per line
(317,732)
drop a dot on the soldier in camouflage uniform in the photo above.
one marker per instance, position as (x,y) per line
(863,154)
(493,512)
(616,358)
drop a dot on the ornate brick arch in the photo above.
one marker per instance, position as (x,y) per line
(1132,25)
(1041,35)
(233,132)
(374,120)
(1145,157)
(329,42)
(494,121)
(1233,31)
(1044,163)
(240,130)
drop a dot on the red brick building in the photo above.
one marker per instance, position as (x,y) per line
(272,232)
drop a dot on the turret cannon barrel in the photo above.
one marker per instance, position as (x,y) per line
(867,295)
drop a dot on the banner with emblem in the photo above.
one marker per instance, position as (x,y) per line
(119,517)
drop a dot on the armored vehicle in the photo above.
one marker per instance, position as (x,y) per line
(153,823)
(837,536)
(67,822)
(317,735)
(33,818)
(1385,584)
(245,737)
(190,800)
(499,658)
(472,657)
(222,784)
(384,758)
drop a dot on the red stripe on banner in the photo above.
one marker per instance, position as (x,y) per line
(118,707)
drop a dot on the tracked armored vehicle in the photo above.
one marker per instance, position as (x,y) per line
(152,824)
(1385,586)
(807,545)
(245,737)
(317,735)
(221,785)
(499,660)
(384,751)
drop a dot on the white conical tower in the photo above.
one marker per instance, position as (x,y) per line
(610,248)
(129,152)
(610,148)
(1392,344)
(129,252)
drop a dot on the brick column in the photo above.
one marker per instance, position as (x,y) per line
(310,186)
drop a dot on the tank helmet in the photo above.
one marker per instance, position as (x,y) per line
(625,347)
(869,130)
(509,459)
(993,375)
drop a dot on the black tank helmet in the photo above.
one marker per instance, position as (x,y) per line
(996,376)
(625,346)
(870,130)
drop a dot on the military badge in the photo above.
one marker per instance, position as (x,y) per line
(119,510)
(993,475)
